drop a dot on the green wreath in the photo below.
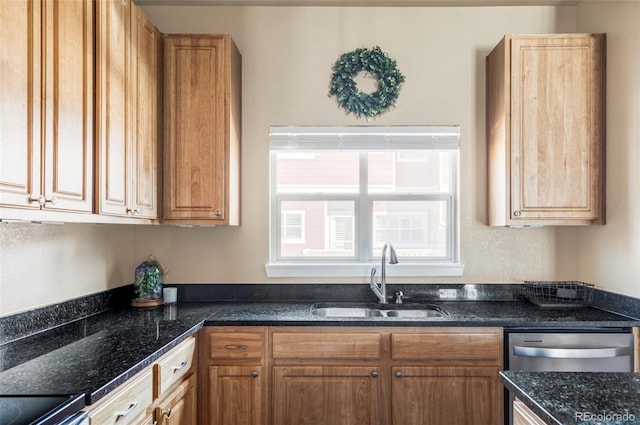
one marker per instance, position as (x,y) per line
(381,66)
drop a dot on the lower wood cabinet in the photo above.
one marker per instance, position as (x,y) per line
(236,395)
(350,376)
(445,395)
(522,415)
(326,395)
(179,406)
(164,393)
(232,376)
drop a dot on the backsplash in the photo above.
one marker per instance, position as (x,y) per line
(31,322)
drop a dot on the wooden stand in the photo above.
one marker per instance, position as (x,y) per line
(146,303)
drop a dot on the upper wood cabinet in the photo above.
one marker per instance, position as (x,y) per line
(546,130)
(201,130)
(126,110)
(146,45)
(46,104)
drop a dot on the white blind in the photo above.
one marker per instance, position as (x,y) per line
(361,138)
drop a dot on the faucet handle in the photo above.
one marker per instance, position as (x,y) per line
(397,297)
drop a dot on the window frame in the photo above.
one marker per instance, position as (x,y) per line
(363,139)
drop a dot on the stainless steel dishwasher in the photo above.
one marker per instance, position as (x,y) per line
(610,350)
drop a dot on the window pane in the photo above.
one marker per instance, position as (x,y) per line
(328,229)
(415,228)
(409,172)
(317,172)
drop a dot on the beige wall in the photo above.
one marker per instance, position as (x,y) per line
(43,264)
(610,255)
(287,58)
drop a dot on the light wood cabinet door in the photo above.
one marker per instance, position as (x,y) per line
(179,407)
(546,130)
(68,110)
(113,114)
(235,395)
(20,102)
(523,415)
(127,111)
(327,395)
(145,46)
(451,395)
(46,87)
(201,130)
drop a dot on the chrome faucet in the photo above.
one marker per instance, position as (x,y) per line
(381,289)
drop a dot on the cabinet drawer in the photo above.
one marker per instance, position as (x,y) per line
(326,345)
(236,345)
(127,404)
(447,346)
(173,366)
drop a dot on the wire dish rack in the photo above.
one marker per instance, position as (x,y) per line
(558,294)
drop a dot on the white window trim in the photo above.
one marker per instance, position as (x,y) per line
(373,138)
(340,269)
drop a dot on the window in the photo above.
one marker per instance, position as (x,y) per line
(339,193)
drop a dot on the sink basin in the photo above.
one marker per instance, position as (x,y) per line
(391,311)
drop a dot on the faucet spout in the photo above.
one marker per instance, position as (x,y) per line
(380,290)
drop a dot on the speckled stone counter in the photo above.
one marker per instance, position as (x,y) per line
(577,398)
(96,354)
(511,314)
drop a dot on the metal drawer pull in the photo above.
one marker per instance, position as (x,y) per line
(254,374)
(572,353)
(399,375)
(236,347)
(182,365)
(124,413)
(167,414)
(374,374)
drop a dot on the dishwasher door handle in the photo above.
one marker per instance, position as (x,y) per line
(572,353)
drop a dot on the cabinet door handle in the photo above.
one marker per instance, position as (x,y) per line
(236,347)
(374,374)
(572,353)
(180,366)
(123,413)
(40,199)
(167,414)
(255,374)
(399,375)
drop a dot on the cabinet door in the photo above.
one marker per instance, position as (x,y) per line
(327,395)
(179,407)
(112,105)
(68,109)
(522,415)
(144,104)
(557,128)
(20,102)
(235,395)
(451,395)
(194,78)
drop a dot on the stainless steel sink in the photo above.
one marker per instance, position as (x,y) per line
(391,311)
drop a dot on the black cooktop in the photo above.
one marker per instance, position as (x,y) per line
(38,409)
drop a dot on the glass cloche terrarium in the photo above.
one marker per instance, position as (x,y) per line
(148,284)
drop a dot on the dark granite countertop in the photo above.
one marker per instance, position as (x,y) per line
(508,314)
(578,398)
(96,354)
